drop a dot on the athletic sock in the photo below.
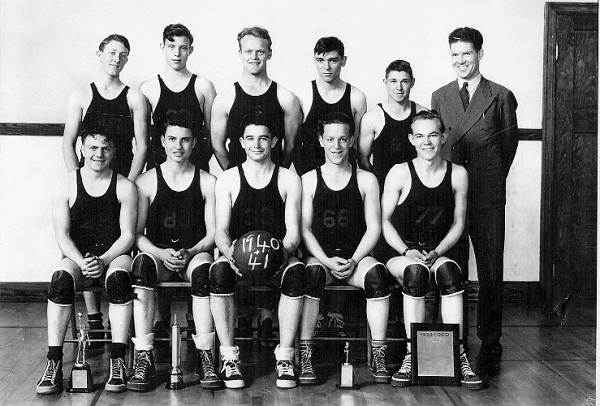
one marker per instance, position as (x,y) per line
(55,353)
(94,316)
(117,350)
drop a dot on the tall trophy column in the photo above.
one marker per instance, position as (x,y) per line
(80,380)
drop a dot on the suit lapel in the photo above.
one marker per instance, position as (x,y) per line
(479,103)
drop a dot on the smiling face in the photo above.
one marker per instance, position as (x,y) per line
(257,142)
(177,51)
(329,65)
(178,143)
(97,152)
(113,57)
(465,59)
(254,53)
(427,138)
(398,85)
(336,141)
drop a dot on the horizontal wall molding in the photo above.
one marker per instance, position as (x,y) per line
(56,129)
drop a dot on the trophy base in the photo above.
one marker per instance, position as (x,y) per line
(80,380)
(175,385)
(175,379)
(347,378)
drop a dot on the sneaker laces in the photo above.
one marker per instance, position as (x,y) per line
(208,368)
(51,367)
(465,367)
(285,367)
(142,363)
(406,367)
(117,368)
(306,360)
(232,368)
(379,358)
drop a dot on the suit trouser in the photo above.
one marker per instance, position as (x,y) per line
(486,229)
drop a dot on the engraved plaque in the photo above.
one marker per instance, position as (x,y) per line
(435,354)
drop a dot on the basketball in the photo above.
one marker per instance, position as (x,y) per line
(258,252)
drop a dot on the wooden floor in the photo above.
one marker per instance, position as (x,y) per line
(542,365)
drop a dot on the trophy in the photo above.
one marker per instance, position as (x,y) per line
(175,379)
(347,378)
(80,380)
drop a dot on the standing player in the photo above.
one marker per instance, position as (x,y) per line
(175,234)
(483,137)
(120,112)
(94,212)
(423,212)
(257,195)
(329,94)
(340,227)
(384,130)
(254,91)
(178,88)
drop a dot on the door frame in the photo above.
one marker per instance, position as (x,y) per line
(547,224)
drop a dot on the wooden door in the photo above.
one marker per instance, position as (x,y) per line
(569,143)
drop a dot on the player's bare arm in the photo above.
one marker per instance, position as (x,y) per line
(207,186)
(150,88)
(367,134)
(64,193)
(218,126)
(226,183)
(369,189)
(206,93)
(292,118)
(358,102)
(138,107)
(77,102)
(291,191)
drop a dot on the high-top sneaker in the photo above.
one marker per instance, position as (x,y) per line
(307,373)
(232,375)
(117,377)
(144,374)
(205,369)
(469,379)
(52,379)
(286,378)
(378,367)
(403,377)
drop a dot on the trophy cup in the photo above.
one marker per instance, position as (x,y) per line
(347,378)
(175,379)
(80,380)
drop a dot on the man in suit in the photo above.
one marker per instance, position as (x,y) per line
(482,136)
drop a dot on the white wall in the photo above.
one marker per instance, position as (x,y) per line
(48,49)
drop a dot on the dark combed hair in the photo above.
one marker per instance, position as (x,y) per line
(466,34)
(329,44)
(179,118)
(429,115)
(177,30)
(399,65)
(99,125)
(114,37)
(258,32)
(335,117)
(257,117)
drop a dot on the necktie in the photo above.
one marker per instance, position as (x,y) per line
(464,96)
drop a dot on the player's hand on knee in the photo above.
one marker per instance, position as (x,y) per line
(94,266)
(169,259)
(415,254)
(231,259)
(431,257)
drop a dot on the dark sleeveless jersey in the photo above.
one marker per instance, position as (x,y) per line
(176,219)
(244,104)
(309,154)
(425,216)
(392,145)
(338,217)
(186,99)
(258,209)
(95,220)
(114,118)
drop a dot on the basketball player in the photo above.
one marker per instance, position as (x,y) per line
(121,114)
(94,212)
(340,227)
(384,130)
(257,195)
(254,91)
(423,211)
(175,234)
(178,88)
(329,94)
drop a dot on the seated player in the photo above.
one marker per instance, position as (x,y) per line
(257,195)
(94,212)
(340,227)
(175,234)
(423,211)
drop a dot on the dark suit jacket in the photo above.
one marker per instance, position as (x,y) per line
(483,139)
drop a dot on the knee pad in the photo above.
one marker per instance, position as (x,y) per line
(449,278)
(292,282)
(144,272)
(199,280)
(314,281)
(416,280)
(221,278)
(376,282)
(118,287)
(62,288)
